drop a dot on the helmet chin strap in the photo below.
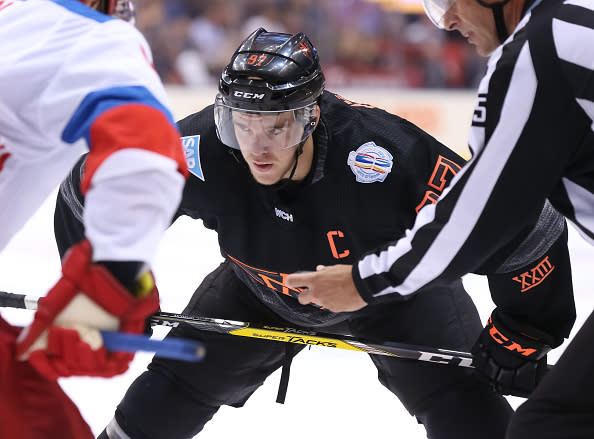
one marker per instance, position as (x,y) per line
(285,181)
(497,9)
(298,152)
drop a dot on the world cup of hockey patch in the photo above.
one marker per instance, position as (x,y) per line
(370,163)
(191,146)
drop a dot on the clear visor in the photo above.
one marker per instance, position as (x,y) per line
(436,10)
(263,130)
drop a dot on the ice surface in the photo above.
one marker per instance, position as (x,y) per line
(331,393)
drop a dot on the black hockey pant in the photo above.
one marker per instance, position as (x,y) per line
(562,406)
(174,399)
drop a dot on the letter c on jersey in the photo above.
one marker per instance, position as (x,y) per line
(331,234)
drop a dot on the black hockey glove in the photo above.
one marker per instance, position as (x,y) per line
(512,356)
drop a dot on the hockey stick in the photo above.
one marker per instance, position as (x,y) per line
(287,335)
(178,349)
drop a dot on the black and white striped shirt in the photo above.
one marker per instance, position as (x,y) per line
(531,139)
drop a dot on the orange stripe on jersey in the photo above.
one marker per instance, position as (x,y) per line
(132,126)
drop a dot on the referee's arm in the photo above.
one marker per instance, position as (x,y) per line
(491,201)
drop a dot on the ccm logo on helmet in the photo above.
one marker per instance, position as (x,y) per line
(241,94)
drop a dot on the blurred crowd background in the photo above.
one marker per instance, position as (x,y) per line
(360,42)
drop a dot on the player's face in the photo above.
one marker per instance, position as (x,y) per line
(263,140)
(475,23)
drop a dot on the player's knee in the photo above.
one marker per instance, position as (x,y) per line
(157,406)
(539,419)
(464,413)
(517,429)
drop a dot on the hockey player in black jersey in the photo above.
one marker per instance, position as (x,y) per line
(532,140)
(292,176)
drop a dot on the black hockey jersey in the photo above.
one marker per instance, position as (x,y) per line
(372,172)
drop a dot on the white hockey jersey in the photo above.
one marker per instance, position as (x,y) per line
(74,79)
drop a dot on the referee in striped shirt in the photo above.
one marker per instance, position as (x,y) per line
(532,139)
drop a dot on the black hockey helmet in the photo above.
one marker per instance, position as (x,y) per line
(271,74)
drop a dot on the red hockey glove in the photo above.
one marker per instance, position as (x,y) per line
(512,356)
(64,338)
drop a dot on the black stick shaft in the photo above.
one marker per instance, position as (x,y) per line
(287,335)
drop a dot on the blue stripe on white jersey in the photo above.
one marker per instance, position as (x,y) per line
(79,8)
(100,101)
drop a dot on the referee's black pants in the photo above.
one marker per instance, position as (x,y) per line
(175,399)
(562,406)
